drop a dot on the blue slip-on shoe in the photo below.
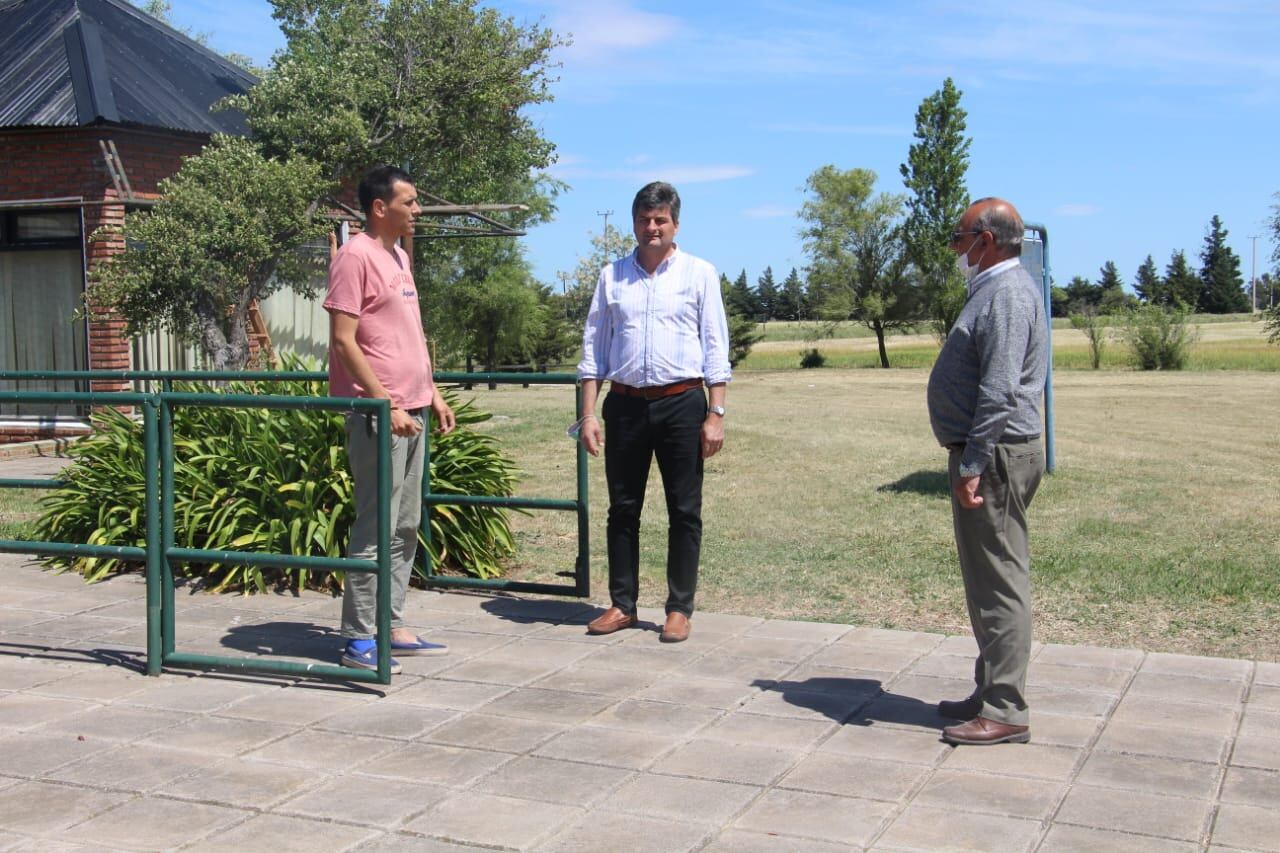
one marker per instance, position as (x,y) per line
(366,658)
(419,648)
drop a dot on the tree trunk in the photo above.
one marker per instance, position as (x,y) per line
(884,355)
(491,358)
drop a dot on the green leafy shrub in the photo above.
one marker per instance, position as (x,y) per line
(812,358)
(1159,338)
(268,481)
(1089,321)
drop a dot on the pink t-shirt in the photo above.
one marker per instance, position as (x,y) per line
(367,282)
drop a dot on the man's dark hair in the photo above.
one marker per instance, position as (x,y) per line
(377,184)
(655,195)
(1003,222)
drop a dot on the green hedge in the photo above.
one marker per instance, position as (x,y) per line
(267,481)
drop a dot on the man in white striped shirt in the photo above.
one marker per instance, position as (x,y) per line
(657,332)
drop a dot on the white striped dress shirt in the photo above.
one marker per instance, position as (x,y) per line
(645,330)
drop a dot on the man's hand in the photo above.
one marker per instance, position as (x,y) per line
(592,435)
(967,492)
(403,424)
(712,436)
(445,421)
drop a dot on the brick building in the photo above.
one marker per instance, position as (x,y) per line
(98,103)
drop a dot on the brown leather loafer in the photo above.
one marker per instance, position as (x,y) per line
(677,628)
(965,709)
(983,732)
(611,620)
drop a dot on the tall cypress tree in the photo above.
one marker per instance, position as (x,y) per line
(1148,285)
(1182,285)
(791,302)
(767,294)
(934,177)
(742,298)
(1222,286)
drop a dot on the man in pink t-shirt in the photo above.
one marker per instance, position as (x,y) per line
(377,349)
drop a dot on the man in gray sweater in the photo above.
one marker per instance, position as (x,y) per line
(984,405)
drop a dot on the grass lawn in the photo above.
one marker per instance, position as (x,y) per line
(829,503)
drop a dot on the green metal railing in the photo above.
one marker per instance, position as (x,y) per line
(160,551)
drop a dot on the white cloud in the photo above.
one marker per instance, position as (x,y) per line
(1077,209)
(602,29)
(767,211)
(637,159)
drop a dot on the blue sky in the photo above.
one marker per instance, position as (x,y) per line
(1121,126)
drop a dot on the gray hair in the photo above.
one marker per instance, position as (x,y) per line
(655,195)
(1004,223)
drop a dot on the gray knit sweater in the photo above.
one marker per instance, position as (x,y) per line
(987,382)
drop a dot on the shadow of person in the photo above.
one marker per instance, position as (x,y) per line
(291,639)
(928,483)
(855,701)
(547,611)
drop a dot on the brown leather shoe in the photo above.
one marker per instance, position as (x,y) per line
(983,732)
(677,628)
(965,709)
(611,620)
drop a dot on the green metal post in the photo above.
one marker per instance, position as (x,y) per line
(384,543)
(155,548)
(582,569)
(168,607)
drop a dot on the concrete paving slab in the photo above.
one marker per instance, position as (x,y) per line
(1192,716)
(854,776)
(922,828)
(133,767)
(676,798)
(1135,811)
(822,817)
(24,807)
(1252,787)
(1066,730)
(1097,657)
(1151,774)
(609,746)
(1200,667)
(1256,750)
(738,841)
(234,783)
(902,746)
(152,823)
(436,764)
(601,830)
(1063,838)
(566,782)
(552,706)
(1264,697)
(504,734)
(781,732)
(368,800)
(1247,827)
(747,764)
(962,790)
(1267,672)
(486,819)
(1052,763)
(331,752)
(1187,688)
(282,834)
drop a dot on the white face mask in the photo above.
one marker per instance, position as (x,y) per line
(967,269)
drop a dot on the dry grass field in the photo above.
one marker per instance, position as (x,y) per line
(829,503)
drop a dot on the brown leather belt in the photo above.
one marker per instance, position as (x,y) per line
(655,392)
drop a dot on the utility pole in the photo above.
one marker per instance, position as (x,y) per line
(564,283)
(606,214)
(1253,275)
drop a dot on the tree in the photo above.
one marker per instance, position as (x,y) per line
(606,247)
(743,334)
(857,254)
(791,298)
(1222,285)
(1082,293)
(232,227)
(1089,321)
(1113,299)
(742,299)
(1182,285)
(767,294)
(934,177)
(438,85)
(1148,285)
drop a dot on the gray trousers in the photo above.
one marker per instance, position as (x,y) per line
(359,594)
(995,562)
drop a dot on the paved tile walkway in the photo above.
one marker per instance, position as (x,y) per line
(756,735)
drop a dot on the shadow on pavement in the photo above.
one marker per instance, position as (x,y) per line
(855,701)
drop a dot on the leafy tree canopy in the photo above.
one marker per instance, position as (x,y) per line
(937,197)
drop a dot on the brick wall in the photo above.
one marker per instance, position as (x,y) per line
(48,163)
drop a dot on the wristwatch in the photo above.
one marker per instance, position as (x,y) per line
(716,410)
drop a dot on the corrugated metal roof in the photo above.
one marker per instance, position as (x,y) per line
(83,62)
